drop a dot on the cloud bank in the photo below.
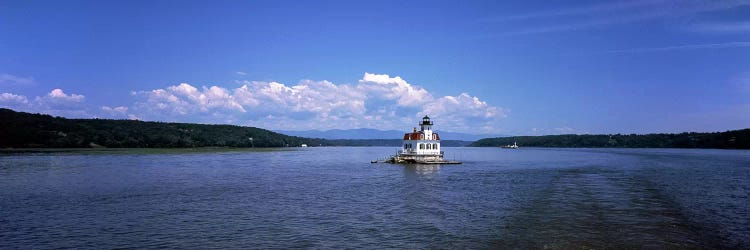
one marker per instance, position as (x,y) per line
(375,101)
(56,102)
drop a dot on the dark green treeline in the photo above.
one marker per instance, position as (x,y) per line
(735,139)
(23,130)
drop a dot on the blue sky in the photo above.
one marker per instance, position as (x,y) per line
(508,67)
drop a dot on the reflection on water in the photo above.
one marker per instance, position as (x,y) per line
(334,198)
(421,170)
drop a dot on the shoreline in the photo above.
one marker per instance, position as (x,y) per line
(45,151)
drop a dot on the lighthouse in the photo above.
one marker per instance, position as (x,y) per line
(421,146)
(424,142)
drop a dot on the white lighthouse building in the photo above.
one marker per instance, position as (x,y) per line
(421,146)
(422,142)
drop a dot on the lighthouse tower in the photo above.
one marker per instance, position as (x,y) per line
(422,145)
(425,126)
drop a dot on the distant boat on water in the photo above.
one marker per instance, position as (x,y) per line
(514,146)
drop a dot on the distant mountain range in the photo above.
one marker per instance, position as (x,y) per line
(368,133)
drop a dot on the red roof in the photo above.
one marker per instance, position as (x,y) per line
(419,136)
(414,136)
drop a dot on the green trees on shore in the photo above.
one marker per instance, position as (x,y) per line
(24,130)
(735,139)
(21,130)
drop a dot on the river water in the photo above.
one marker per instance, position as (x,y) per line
(335,198)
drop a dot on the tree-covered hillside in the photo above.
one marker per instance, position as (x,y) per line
(19,130)
(735,139)
(24,130)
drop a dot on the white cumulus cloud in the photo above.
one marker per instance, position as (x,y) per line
(185,99)
(466,113)
(57,95)
(56,102)
(12,99)
(463,105)
(375,101)
(394,88)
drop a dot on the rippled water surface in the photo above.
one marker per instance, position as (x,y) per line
(334,198)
